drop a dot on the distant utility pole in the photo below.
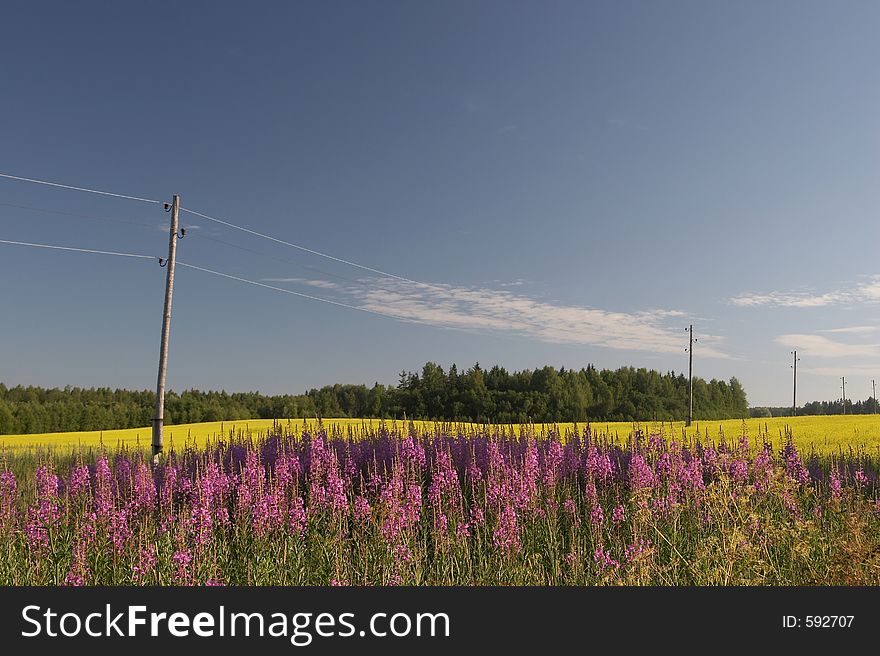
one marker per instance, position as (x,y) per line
(874,394)
(690,350)
(794,385)
(843,387)
(159,418)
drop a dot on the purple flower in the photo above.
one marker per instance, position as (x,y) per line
(604,560)
(506,534)
(596,515)
(298,517)
(640,474)
(835,485)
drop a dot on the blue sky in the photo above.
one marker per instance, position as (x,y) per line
(553,183)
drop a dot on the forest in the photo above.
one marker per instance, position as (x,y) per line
(867,407)
(546,394)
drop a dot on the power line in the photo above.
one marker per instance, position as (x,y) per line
(205,270)
(91,191)
(77,250)
(307,250)
(225,223)
(80,216)
(287,260)
(289,291)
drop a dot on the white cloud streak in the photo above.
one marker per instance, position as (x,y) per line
(483,309)
(867,292)
(854,330)
(321,284)
(818,346)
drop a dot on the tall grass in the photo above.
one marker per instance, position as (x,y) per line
(419,506)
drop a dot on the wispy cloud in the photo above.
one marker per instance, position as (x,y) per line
(865,292)
(321,284)
(855,330)
(818,346)
(483,309)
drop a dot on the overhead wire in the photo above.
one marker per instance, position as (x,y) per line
(290,291)
(85,189)
(306,249)
(228,224)
(205,270)
(308,267)
(217,220)
(78,250)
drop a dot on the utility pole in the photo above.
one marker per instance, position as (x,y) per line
(843,387)
(794,385)
(874,394)
(159,417)
(690,350)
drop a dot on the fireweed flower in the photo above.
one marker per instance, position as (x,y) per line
(635,550)
(435,489)
(298,517)
(120,531)
(181,560)
(103,500)
(327,489)
(739,471)
(444,481)
(43,517)
(640,474)
(552,463)
(142,570)
(710,461)
(598,464)
(412,454)
(79,481)
(506,534)
(763,469)
(441,521)
(144,495)
(794,466)
(604,560)
(834,484)
(591,494)
(267,514)
(597,516)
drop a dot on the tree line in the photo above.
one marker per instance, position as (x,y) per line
(546,394)
(867,407)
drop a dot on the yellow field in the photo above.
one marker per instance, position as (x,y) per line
(825,434)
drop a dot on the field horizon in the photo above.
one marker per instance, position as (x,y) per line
(822,434)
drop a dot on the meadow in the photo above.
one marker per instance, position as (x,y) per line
(431,505)
(824,434)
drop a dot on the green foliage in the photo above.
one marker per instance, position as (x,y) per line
(495,395)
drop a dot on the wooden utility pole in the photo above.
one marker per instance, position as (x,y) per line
(690,417)
(794,385)
(874,394)
(159,417)
(843,387)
